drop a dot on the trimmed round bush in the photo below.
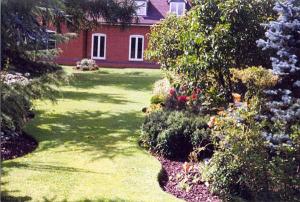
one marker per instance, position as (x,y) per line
(174,134)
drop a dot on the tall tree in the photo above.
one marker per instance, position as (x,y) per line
(283,37)
(213,37)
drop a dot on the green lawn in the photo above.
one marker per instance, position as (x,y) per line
(88,143)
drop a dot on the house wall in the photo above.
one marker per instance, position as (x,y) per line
(117,47)
(73,50)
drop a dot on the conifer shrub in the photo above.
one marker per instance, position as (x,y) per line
(283,39)
(17,94)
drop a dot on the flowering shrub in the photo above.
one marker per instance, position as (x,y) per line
(256,143)
(185,98)
(175,93)
(162,88)
(87,65)
(209,40)
(245,165)
(154,108)
(17,78)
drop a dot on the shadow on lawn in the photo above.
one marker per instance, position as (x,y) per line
(44,167)
(99,97)
(105,135)
(127,80)
(87,200)
(7,196)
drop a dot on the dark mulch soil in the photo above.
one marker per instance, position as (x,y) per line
(16,146)
(170,183)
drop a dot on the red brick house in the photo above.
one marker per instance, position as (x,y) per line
(112,46)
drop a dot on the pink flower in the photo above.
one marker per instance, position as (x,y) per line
(172,92)
(182,98)
(198,90)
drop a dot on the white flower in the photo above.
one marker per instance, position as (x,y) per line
(17,78)
(162,87)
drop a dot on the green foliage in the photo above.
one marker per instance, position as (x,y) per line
(153,125)
(255,79)
(164,42)
(34,68)
(174,134)
(245,166)
(284,168)
(214,36)
(17,98)
(238,167)
(157,99)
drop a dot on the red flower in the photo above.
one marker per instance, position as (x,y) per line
(194,96)
(182,98)
(172,92)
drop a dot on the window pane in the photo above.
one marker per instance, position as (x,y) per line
(173,7)
(140,48)
(95,47)
(102,46)
(51,44)
(133,42)
(180,9)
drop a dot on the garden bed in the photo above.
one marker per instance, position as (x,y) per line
(17,145)
(169,182)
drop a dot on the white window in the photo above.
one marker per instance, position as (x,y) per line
(177,8)
(136,48)
(141,7)
(98,46)
(50,40)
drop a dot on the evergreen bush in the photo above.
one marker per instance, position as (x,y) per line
(174,134)
(283,38)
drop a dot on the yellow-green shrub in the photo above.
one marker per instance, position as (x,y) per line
(255,79)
